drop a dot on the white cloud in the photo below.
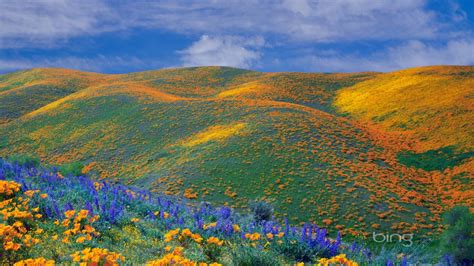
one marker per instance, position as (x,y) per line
(223,51)
(298,6)
(42,23)
(317,20)
(416,53)
(410,54)
(35,22)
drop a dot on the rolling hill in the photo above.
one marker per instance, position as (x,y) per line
(353,152)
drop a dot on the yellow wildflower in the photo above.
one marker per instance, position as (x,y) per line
(215,240)
(337,260)
(254,236)
(69,214)
(35,262)
(236,228)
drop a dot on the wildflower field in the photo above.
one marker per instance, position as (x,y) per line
(48,218)
(236,167)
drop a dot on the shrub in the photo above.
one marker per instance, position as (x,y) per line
(262,211)
(457,240)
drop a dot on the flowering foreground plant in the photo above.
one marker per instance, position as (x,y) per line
(48,218)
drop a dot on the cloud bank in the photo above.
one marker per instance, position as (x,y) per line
(409,54)
(241,33)
(324,20)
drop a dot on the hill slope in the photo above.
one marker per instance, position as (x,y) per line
(231,136)
(433,104)
(24,91)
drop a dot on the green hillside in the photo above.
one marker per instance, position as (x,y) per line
(25,91)
(231,136)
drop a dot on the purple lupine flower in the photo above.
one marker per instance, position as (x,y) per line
(200,224)
(367,253)
(115,192)
(225,212)
(56,210)
(88,207)
(96,201)
(197,218)
(202,209)
(68,206)
(112,213)
(158,200)
(152,215)
(353,247)
(228,228)
(304,232)
(252,226)
(404,261)
(150,197)
(24,187)
(287,226)
(103,207)
(118,210)
(447,260)
(264,227)
(389,263)
(48,212)
(334,247)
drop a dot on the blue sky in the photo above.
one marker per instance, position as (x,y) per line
(288,35)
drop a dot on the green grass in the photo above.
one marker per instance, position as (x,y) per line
(440,159)
(16,103)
